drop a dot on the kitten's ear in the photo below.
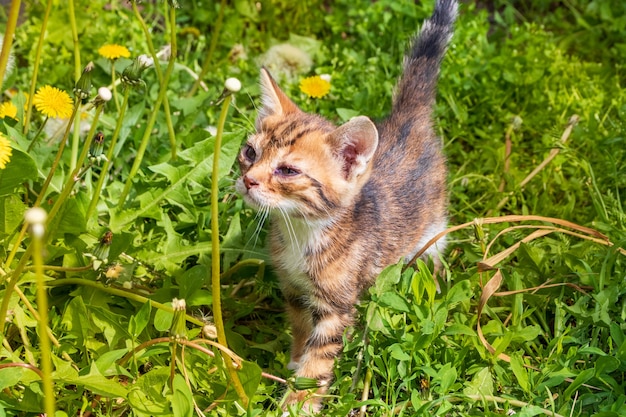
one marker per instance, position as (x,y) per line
(355,142)
(274,101)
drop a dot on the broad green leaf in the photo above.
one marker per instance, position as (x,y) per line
(388,279)
(112,325)
(107,363)
(606,365)
(191,281)
(459,293)
(11,213)
(445,378)
(146,397)
(481,383)
(517,366)
(182,399)
(398,353)
(18,170)
(75,319)
(582,378)
(394,301)
(139,321)
(250,377)
(10,377)
(163,320)
(346,114)
(459,329)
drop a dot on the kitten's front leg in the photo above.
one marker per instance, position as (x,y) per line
(322,347)
(301,327)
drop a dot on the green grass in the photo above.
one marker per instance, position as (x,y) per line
(554,335)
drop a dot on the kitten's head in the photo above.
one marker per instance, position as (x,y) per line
(300,163)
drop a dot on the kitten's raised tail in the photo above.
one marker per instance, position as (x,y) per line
(417,85)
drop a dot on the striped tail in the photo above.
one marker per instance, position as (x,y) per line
(418,83)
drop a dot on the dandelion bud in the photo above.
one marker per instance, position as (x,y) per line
(179,322)
(36,217)
(127,285)
(82,90)
(97,145)
(301,383)
(102,250)
(233,85)
(105,94)
(131,76)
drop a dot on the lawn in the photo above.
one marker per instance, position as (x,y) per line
(145,288)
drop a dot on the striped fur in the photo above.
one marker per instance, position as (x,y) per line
(346,201)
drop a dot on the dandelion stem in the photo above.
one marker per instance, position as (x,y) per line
(72,178)
(114,87)
(206,65)
(215,249)
(44,340)
(146,134)
(12,281)
(8,38)
(55,163)
(32,142)
(37,60)
(77,73)
(109,156)
(157,66)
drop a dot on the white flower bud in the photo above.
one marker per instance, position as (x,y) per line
(179,304)
(209,331)
(145,60)
(325,77)
(105,94)
(35,215)
(233,85)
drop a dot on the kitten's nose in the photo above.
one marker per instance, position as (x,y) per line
(249,182)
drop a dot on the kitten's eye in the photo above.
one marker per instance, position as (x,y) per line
(286,171)
(249,153)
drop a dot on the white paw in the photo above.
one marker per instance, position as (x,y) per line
(292,366)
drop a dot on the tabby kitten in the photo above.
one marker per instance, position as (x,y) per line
(347,201)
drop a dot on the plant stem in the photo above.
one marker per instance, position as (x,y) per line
(157,66)
(77,72)
(114,87)
(72,178)
(55,163)
(37,60)
(8,38)
(215,249)
(32,142)
(44,340)
(109,156)
(11,282)
(161,97)
(206,65)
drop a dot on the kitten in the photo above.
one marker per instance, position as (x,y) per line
(347,201)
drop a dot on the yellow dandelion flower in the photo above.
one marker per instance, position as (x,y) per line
(114,51)
(315,86)
(53,102)
(5,151)
(8,109)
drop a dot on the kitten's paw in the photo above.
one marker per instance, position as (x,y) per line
(293,365)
